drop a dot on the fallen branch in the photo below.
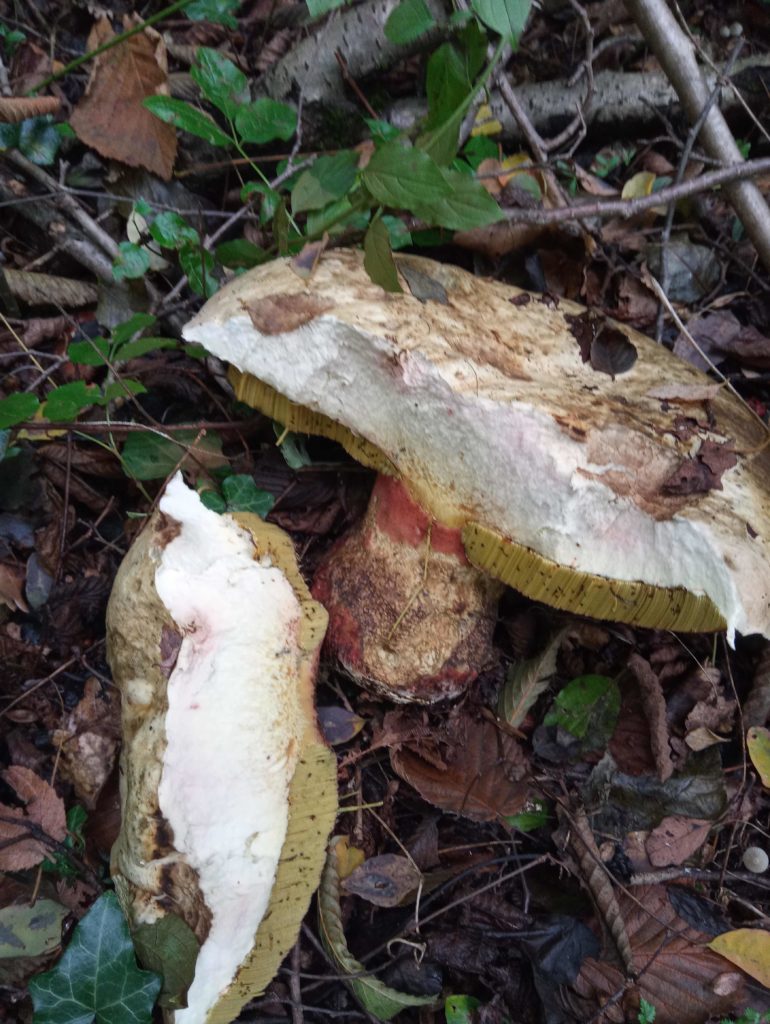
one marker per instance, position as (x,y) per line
(631,207)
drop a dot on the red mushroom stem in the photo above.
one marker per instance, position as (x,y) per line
(409,616)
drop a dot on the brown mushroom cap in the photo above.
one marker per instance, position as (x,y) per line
(577,487)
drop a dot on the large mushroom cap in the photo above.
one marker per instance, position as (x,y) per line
(584,490)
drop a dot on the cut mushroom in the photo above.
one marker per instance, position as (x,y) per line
(227,789)
(527,425)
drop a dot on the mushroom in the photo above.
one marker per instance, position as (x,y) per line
(561,454)
(228,792)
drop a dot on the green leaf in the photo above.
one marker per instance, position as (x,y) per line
(219,12)
(265,120)
(588,709)
(171,230)
(447,84)
(126,330)
(242,495)
(535,816)
(39,140)
(198,264)
(270,199)
(133,261)
(121,389)
(66,402)
(408,21)
(168,947)
(378,258)
(214,501)
(331,218)
(17,408)
(97,978)
(459,1009)
(478,148)
(399,234)
(143,346)
(506,17)
(240,253)
(405,178)
(188,118)
(150,456)
(319,7)
(758,746)
(468,205)
(382,130)
(30,931)
(330,178)
(293,447)
(220,81)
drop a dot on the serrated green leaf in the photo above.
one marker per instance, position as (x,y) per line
(242,495)
(447,84)
(587,708)
(468,205)
(30,930)
(150,456)
(378,999)
(265,120)
(121,389)
(143,346)
(198,264)
(97,978)
(17,408)
(126,330)
(188,118)
(66,402)
(319,7)
(240,253)
(506,17)
(219,12)
(408,21)
(171,230)
(330,178)
(169,948)
(220,81)
(526,681)
(378,258)
(133,261)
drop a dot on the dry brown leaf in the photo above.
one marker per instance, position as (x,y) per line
(43,808)
(12,587)
(385,881)
(675,840)
(110,117)
(685,392)
(678,975)
(17,108)
(484,773)
(655,711)
(89,742)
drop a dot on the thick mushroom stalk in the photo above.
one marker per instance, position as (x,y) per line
(409,616)
(228,792)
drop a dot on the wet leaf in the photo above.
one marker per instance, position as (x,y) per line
(758,746)
(747,948)
(338,725)
(31,930)
(386,881)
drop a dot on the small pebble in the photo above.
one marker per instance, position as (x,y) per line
(756,860)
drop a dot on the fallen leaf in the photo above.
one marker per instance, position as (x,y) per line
(684,393)
(638,185)
(88,742)
(703,471)
(43,808)
(606,347)
(747,948)
(484,775)
(758,745)
(12,587)
(338,725)
(111,118)
(675,840)
(654,705)
(386,881)
(278,314)
(527,680)
(30,930)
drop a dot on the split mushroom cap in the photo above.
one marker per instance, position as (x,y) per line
(605,495)
(228,792)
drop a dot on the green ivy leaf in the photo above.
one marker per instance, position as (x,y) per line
(198,264)
(188,118)
(66,402)
(408,21)
(378,258)
(171,230)
(97,978)
(242,495)
(219,12)
(240,253)
(133,261)
(17,408)
(265,120)
(220,81)
(506,17)
(330,178)
(39,140)
(214,501)
(319,7)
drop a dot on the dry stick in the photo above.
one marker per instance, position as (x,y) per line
(683,161)
(677,58)
(631,207)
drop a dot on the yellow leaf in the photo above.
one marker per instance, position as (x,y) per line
(639,185)
(348,857)
(758,744)
(485,123)
(747,948)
